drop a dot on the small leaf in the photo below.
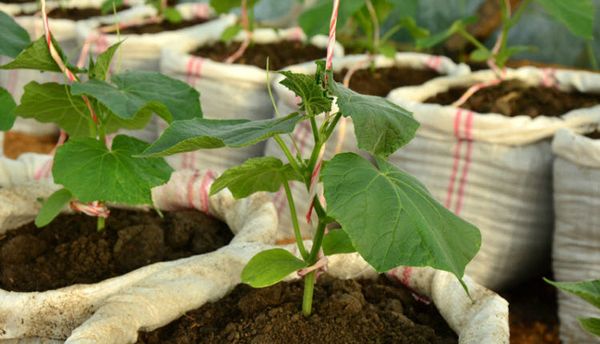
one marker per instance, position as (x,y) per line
(269,267)
(52,103)
(13,38)
(507,53)
(381,127)
(576,15)
(136,91)
(93,173)
(387,50)
(7,110)
(108,6)
(254,175)
(224,6)
(52,207)
(230,32)
(391,218)
(100,69)
(314,98)
(315,20)
(592,325)
(479,55)
(199,133)
(415,31)
(172,15)
(36,56)
(336,242)
(433,40)
(587,290)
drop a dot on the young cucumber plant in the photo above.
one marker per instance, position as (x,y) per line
(576,15)
(247,19)
(385,214)
(92,171)
(163,10)
(589,291)
(363,21)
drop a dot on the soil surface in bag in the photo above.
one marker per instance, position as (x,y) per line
(80,13)
(513,98)
(344,311)
(280,54)
(71,251)
(594,135)
(162,26)
(16,143)
(380,81)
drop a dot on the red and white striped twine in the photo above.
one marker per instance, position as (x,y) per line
(95,208)
(332,28)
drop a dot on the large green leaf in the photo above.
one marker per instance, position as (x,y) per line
(592,325)
(269,267)
(576,15)
(52,207)
(101,67)
(254,175)
(93,173)
(7,110)
(314,99)
(52,103)
(315,20)
(135,91)
(392,219)
(587,290)
(199,133)
(36,56)
(381,127)
(13,38)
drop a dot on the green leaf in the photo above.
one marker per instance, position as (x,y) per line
(172,15)
(415,31)
(52,103)
(315,20)
(100,68)
(136,91)
(576,15)
(36,56)
(194,134)
(587,290)
(107,6)
(592,325)
(433,40)
(392,219)
(7,110)
(381,127)
(269,267)
(230,32)
(224,6)
(387,50)
(479,55)
(505,54)
(314,98)
(336,242)
(14,38)
(52,207)
(93,173)
(254,175)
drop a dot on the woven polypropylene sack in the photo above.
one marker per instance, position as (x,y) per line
(227,91)
(492,170)
(114,310)
(576,245)
(343,138)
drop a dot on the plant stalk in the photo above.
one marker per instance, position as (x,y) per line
(294,216)
(307,299)
(100,224)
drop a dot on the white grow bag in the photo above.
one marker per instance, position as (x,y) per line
(576,246)
(493,170)
(227,91)
(112,311)
(342,139)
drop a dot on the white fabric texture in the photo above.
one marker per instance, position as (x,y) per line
(112,311)
(287,103)
(227,91)
(576,246)
(492,170)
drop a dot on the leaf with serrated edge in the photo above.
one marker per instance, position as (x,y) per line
(336,242)
(93,173)
(36,56)
(592,325)
(587,290)
(269,267)
(381,127)
(13,38)
(391,218)
(135,91)
(7,110)
(314,100)
(254,175)
(577,15)
(52,207)
(52,103)
(194,134)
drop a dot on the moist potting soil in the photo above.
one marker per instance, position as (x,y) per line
(162,26)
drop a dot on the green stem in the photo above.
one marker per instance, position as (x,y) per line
(287,153)
(317,241)
(294,216)
(591,55)
(472,39)
(309,287)
(100,224)
(315,129)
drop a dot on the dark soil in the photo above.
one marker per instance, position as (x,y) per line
(344,312)
(381,81)
(78,13)
(162,26)
(71,251)
(16,143)
(280,54)
(594,135)
(513,98)
(15,1)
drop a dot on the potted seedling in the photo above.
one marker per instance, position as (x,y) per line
(491,130)
(63,270)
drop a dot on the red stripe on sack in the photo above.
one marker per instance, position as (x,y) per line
(206,182)
(457,149)
(406,275)
(465,171)
(548,77)
(190,189)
